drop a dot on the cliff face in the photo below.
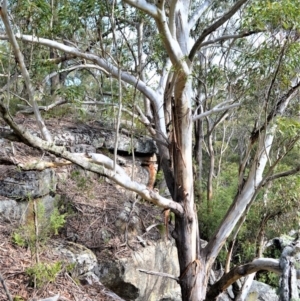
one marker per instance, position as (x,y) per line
(29,173)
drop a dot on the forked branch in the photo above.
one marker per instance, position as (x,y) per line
(207,31)
(266,264)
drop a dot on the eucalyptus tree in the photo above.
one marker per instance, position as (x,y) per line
(193,61)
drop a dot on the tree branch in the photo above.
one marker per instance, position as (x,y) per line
(8,294)
(215,110)
(283,174)
(267,264)
(172,46)
(197,14)
(28,110)
(207,31)
(229,37)
(245,196)
(82,66)
(159,274)
(279,108)
(144,6)
(172,24)
(111,69)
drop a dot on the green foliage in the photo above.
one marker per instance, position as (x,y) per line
(159,176)
(42,273)
(273,14)
(222,256)
(162,229)
(210,215)
(18,239)
(25,235)
(288,127)
(268,278)
(80,178)
(57,221)
(18,298)
(246,249)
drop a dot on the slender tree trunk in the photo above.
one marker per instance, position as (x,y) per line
(198,155)
(54,81)
(211,168)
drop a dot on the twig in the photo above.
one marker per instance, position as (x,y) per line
(9,297)
(150,227)
(67,275)
(159,274)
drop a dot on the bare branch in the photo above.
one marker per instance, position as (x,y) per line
(229,37)
(172,46)
(267,264)
(159,274)
(207,31)
(172,24)
(82,66)
(245,196)
(161,4)
(126,77)
(164,77)
(144,6)
(28,110)
(282,52)
(215,110)
(283,174)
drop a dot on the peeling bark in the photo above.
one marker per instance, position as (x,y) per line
(288,281)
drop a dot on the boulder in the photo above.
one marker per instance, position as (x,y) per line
(258,292)
(18,184)
(124,278)
(262,292)
(12,209)
(83,259)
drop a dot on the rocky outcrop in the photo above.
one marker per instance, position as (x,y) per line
(95,136)
(27,173)
(17,187)
(262,292)
(124,278)
(18,184)
(82,259)
(19,210)
(258,292)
